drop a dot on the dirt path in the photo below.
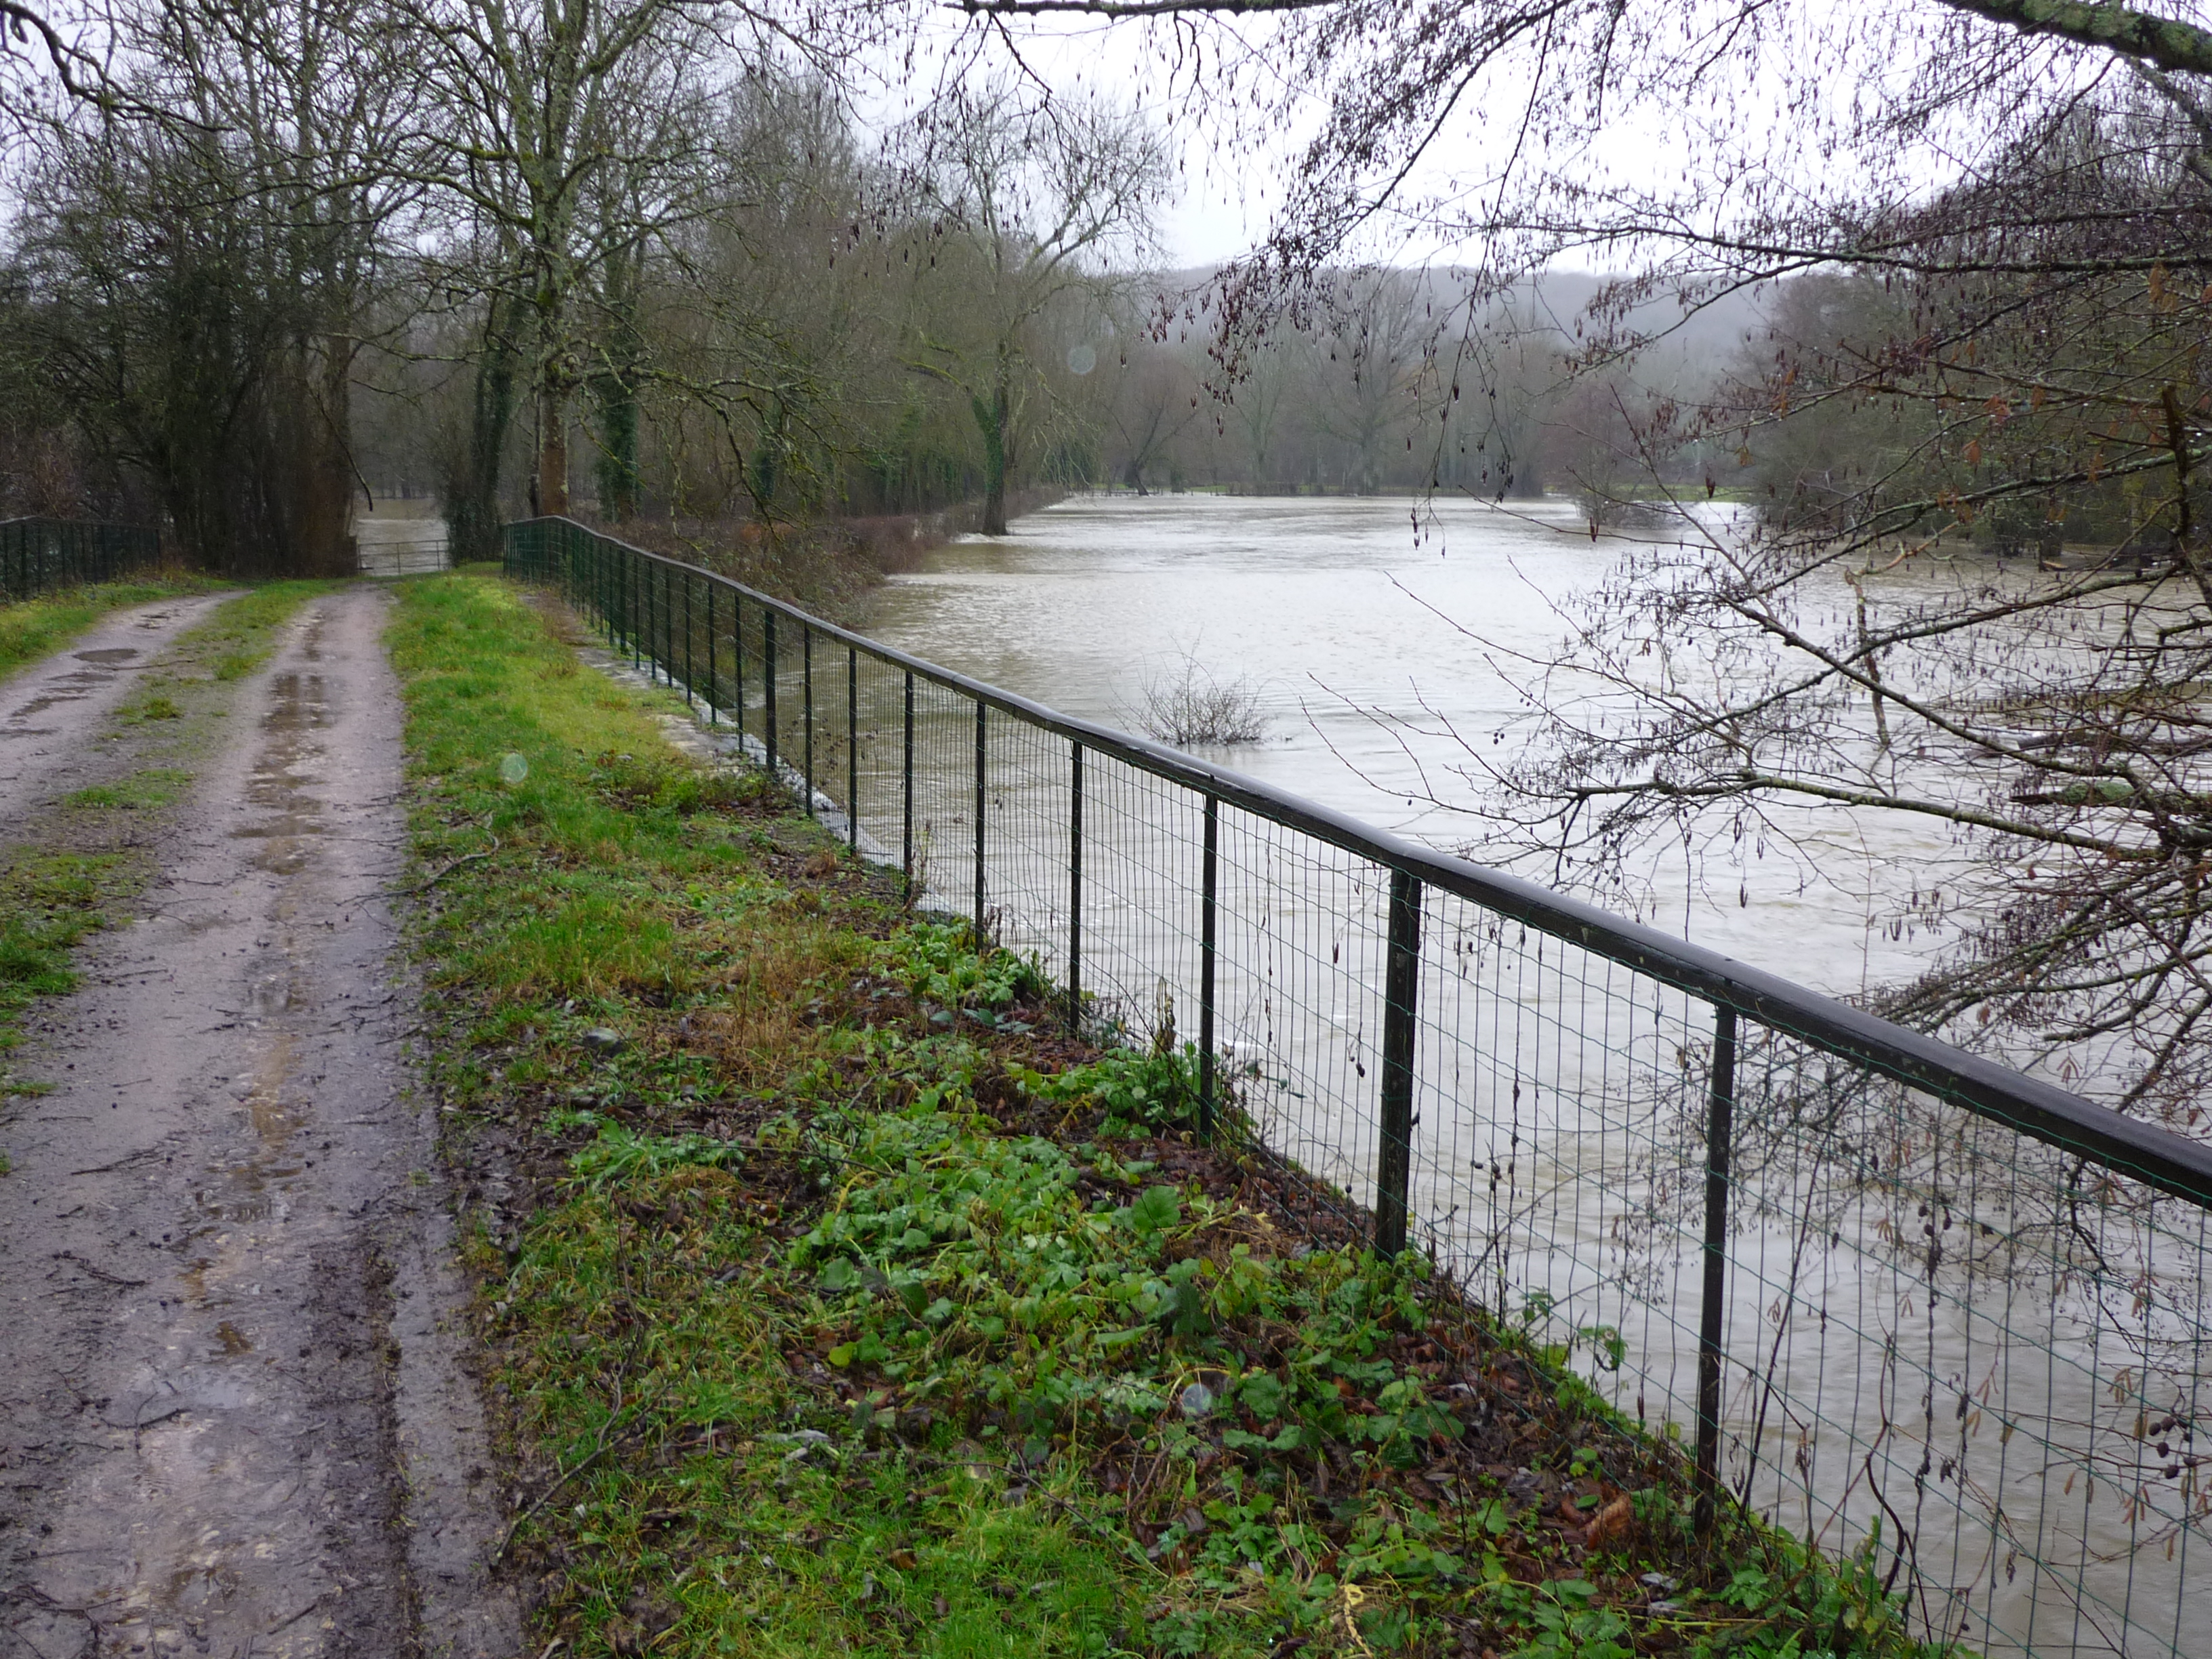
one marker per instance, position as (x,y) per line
(54,714)
(233,1419)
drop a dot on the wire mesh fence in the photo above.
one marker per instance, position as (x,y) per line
(38,555)
(1889,1295)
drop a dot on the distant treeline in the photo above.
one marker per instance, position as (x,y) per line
(334,256)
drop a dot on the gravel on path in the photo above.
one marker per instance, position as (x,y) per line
(234,1412)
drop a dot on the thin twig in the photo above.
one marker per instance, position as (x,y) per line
(425,886)
(589,1458)
(99,1272)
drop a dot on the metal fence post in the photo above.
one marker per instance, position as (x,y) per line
(714,684)
(687,638)
(1393,1162)
(853,748)
(807,681)
(767,685)
(1208,907)
(1720,1131)
(979,823)
(906,834)
(1074,886)
(737,665)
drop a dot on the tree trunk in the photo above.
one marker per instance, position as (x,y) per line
(991,418)
(472,507)
(766,472)
(325,516)
(617,468)
(553,454)
(614,392)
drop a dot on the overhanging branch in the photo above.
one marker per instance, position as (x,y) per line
(2166,43)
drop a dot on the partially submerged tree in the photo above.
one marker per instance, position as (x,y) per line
(1150,397)
(1375,362)
(1040,204)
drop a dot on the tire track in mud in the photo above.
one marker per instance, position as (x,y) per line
(236,1420)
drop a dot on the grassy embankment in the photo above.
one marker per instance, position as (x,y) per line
(836,1301)
(77,863)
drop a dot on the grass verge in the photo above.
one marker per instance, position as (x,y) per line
(32,628)
(837,1301)
(77,863)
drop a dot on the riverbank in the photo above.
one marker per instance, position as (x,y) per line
(828,568)
(835,1298)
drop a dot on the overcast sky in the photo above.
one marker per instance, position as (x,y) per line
(1231,181)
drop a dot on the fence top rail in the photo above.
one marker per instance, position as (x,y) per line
(2157,1156)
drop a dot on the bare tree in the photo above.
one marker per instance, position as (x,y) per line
(1375,362)
(565,136)
(1865,645)
(205,264)
(1037,201)
(1151,399)
(1255,403)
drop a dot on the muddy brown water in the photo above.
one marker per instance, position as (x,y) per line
(234,1412)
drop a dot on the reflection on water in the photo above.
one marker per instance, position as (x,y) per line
(1934,1329)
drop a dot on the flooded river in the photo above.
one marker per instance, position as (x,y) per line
(1930,1332)
(1364,643)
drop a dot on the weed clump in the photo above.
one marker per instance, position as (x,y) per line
(1192,708)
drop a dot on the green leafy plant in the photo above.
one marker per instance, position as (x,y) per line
(1140,1089)
(1568,1624)
(940,963)
(1153,1213)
